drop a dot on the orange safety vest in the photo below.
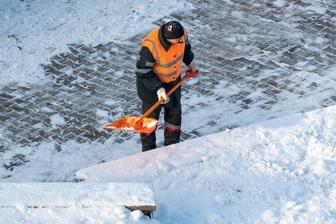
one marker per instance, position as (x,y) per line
(168,64)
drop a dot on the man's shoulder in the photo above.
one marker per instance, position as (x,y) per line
(146,54)
(153,33)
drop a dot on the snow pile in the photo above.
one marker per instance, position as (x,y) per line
(33,31)
(73,202)
(71,194)
(114,215)
(279,171)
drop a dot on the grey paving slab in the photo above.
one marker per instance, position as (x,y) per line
(258,60)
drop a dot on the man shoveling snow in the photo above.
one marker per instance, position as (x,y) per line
(163,52)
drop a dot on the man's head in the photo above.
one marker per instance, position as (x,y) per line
(173,32)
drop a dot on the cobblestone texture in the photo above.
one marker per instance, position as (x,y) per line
(257,61)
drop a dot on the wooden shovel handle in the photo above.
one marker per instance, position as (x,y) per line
(150,110)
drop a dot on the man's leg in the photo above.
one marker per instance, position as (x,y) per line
(149,141)
(173,119)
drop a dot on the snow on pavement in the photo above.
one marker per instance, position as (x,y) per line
(279,171)
(239,85)
(33,31)
(55,162)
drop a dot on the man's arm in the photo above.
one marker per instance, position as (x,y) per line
(144,70)
(188,54)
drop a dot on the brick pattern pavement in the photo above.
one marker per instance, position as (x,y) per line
(257,60)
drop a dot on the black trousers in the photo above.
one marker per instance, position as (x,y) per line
(172,118)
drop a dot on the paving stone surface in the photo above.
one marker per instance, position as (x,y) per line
(258,60)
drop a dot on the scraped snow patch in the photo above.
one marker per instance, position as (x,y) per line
(102,113)
(279,3)
(57,120)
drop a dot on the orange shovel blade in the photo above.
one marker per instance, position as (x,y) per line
(147,126)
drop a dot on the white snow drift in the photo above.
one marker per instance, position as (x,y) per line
(280,171)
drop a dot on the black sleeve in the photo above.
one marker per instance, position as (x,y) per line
(188,54)
(144,70)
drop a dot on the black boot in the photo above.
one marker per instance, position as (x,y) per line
(148,141)
(171,135)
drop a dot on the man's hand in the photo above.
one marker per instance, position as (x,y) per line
(192,66)
(193,71)
(161,93)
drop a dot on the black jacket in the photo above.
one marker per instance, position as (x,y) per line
(147,81)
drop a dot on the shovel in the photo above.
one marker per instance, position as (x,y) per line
(144,124)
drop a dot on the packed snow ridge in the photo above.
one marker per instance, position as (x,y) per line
(279,171)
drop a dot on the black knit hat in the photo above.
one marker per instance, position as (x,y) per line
(173,30)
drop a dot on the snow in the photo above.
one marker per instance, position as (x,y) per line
(279,3)
(59,162)
(279,171)
(137,215)
(317,7)
(102,113)
(288,103)
(33,31)
(71,194)
(115,215)
(57,120)
(73,202)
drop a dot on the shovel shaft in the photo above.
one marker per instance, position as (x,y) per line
(144,124)
(150,110)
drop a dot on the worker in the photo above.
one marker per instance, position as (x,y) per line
(158,68)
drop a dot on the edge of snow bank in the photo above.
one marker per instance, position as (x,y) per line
(304,129)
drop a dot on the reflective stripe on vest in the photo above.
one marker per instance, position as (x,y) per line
(172,63)
(143,70)
(169,75)
(150,64)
